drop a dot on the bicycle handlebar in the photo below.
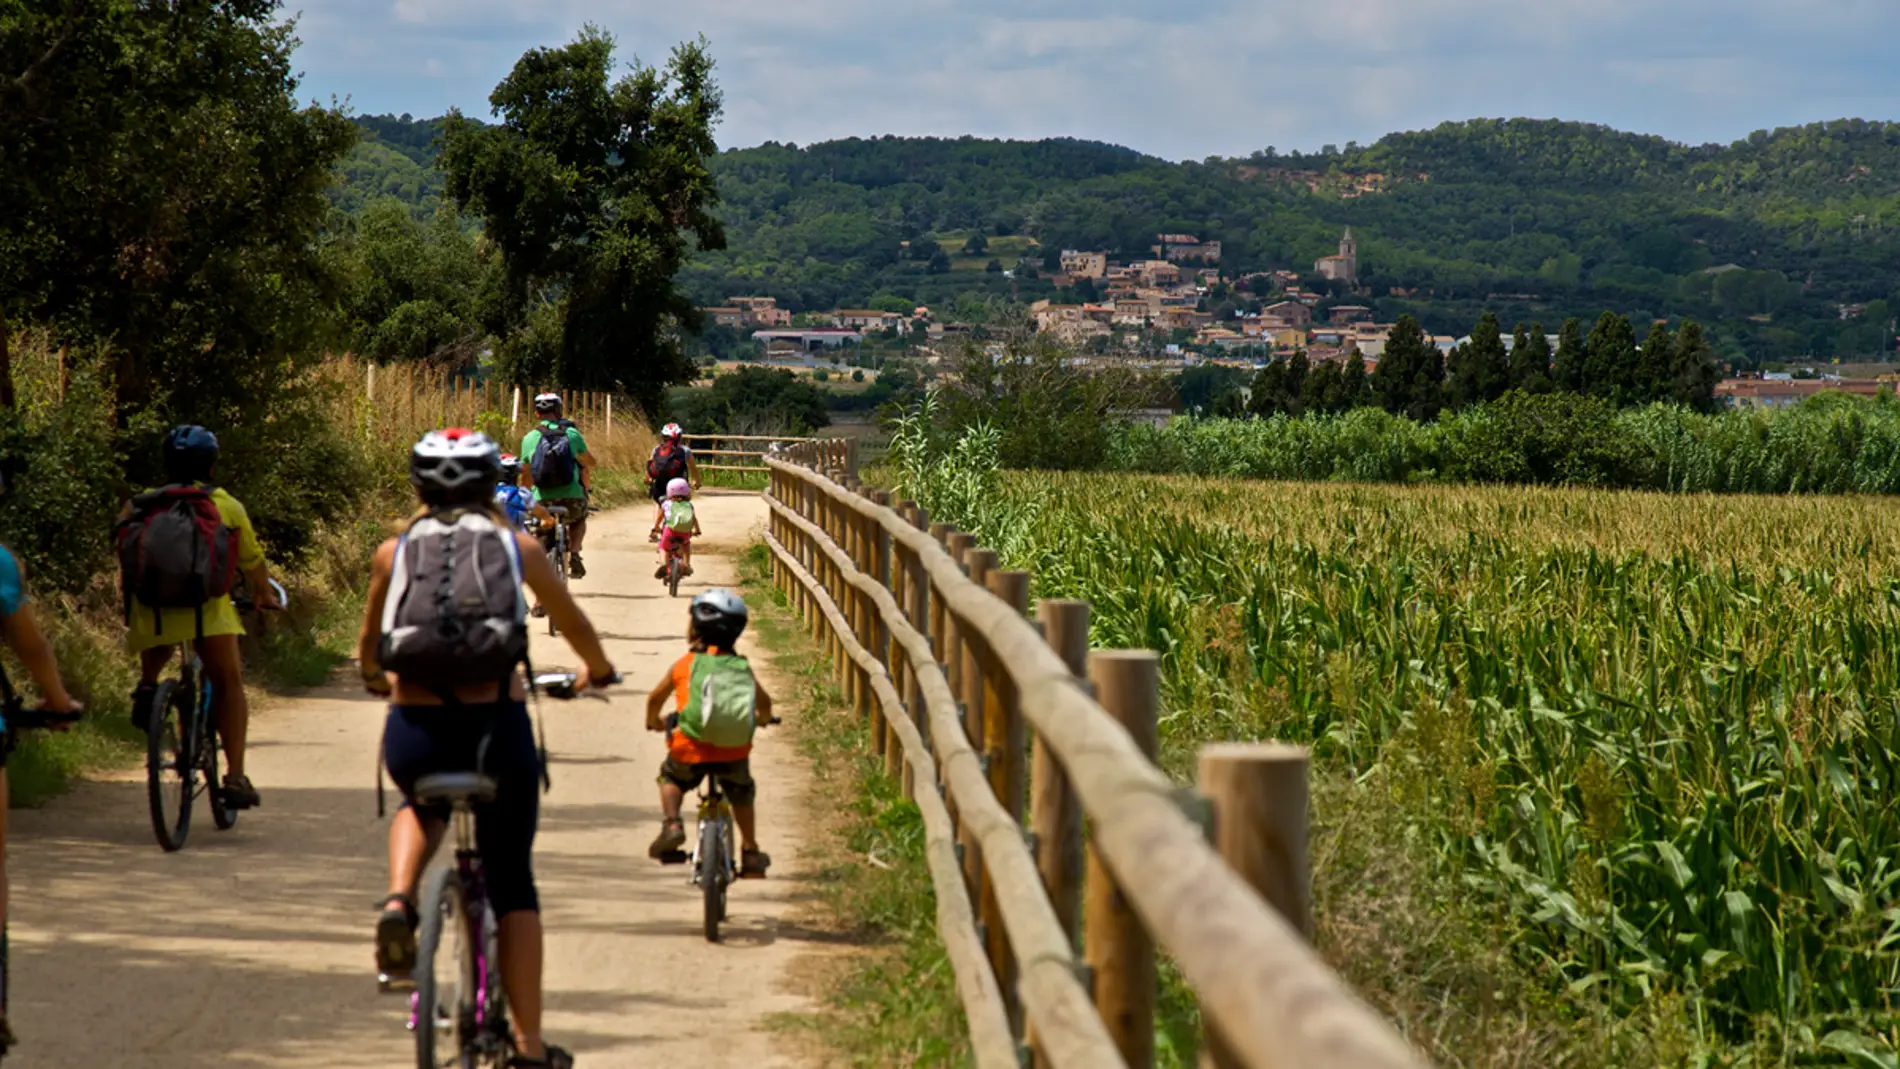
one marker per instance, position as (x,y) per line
(42,717)
(561,685)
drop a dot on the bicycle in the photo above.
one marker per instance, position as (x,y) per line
(557,549)
(18,718)
(675,567)
(466,1006)
(715,857)
(182,743)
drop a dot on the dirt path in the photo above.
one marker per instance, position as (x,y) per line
(251,947)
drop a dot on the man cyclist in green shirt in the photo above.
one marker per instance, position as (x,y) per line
(571,494)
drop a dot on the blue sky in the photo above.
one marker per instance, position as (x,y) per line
(1181,79)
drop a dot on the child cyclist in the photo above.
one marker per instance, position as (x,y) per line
(515,500)
(679,525)
(720,705)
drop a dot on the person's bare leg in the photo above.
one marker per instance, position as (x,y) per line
(4,887)
(224,666)
(746,817)
(521,977)
(411,841)
(671,798)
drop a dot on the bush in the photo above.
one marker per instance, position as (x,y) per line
(1542,438)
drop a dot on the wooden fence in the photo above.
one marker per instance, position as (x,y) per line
(737,448)
(991,719)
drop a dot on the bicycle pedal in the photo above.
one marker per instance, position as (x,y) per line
(395,985)
(675,857)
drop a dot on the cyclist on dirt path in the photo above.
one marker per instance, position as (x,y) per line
(670,460)
(436,726)
(571,493)
(21,633)
(191,459)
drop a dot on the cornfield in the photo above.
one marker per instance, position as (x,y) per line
(1660,730)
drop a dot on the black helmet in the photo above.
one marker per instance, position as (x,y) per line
(190,453)
(719,617)
(510,469)
(547,404)
(455,467)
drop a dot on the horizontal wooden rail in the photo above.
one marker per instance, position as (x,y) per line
(991,1041)
(1272,1001)
(1059,1005)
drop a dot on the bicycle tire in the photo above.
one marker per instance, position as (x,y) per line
(560,565)
(223,816)
(673,576)
(444,910)
(169,748)
(713,866)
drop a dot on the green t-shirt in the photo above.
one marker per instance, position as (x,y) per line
(575,444)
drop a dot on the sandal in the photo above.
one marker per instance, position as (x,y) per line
(396,939)
(239,794)
(552,1057)
(753,863)
(672,836)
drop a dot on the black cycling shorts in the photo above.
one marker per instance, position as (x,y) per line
(421,740)
(735,777)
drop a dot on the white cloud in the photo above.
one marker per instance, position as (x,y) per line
(1177,79)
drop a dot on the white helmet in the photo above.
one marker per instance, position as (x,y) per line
(547,402)
(719,616)
(672,430)
(454,466)
(679,488)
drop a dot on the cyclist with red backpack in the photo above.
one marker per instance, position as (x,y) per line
(670,460)
(181,548)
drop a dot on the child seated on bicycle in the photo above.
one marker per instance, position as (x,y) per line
(720,705)
(517,501)
(679,525)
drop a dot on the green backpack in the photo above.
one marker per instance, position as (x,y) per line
(719,705)
(679,518)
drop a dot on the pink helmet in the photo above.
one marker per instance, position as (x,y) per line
(679,488)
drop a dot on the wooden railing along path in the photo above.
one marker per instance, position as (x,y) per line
(732,451)
(1009,733)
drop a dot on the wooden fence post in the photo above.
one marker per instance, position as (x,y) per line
(1006,749)
(1054,814)
(979,563)
(1259,792)
(1120,951)
(514,412)
(959,545)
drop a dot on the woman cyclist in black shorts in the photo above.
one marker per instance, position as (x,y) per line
(431,731)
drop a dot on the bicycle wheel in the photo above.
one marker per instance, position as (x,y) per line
(445,977)
(170,764)
(560,563)
(713,867)
(673,576)
(222,815)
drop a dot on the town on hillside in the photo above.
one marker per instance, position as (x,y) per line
(1177,309)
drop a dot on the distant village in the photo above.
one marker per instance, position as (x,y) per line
(1153,313)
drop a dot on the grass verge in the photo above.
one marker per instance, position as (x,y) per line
(894,1002)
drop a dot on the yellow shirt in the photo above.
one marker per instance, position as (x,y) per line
(220,616)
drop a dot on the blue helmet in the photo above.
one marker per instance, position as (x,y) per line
(190,453)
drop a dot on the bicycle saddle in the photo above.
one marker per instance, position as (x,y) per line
(556,511)
(455,788)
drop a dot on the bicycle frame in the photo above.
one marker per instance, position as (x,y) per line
(477,919)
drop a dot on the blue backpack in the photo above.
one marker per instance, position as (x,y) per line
(553,465)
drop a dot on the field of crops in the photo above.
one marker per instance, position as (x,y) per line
(1659,731)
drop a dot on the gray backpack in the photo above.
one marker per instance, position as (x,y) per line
(455,613)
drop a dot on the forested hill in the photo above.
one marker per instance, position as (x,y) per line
(1534,219)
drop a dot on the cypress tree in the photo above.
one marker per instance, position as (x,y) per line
(1530,360)
(1355,386)
(1610,360)
(1566,368)
(1656,364)
(1409,379)
(1692,369)
(1478,370)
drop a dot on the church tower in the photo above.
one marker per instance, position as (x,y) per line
(1349,252)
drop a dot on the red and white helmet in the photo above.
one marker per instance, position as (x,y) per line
(672,432)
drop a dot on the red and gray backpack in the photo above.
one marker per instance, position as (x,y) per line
(175,552)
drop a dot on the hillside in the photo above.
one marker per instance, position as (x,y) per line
(1533,219)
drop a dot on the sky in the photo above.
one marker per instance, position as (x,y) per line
(1183,79)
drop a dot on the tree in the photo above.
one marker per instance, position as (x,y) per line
(1479,370)
(977,245)
(594,192)
(163,193)
(1325,389)
(1654,364)
(1612,367)
(939,262)
(1692,369)
(1355,386)
(1409,379)
(1209,390)
(1279,388)
(1530,359)
(1567,366)
(756,400)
